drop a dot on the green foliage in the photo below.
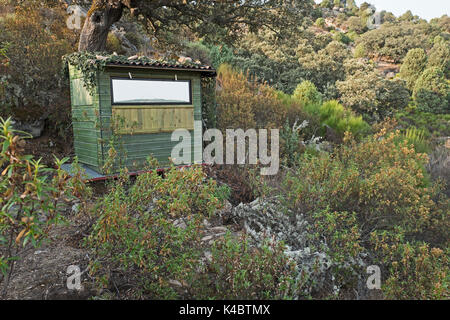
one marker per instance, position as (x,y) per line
(360,51)
(320,22)
(343,243)
(326,66)
(341,37)
(356,24)
(416,271)
(307,93)
(432,91)
(437,125)
(335,116)
(413,65)
(33,197)
(326,4)
(179,193)
(113,44)
(382,181)
(243,103)
(31,86)
(366,92)
(439,56)
(198,51)
(220,55)
(417,138)
(394,40)
(135,230)
(282,76)
(243,272)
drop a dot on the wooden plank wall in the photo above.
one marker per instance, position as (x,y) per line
(85,110)
(148,129)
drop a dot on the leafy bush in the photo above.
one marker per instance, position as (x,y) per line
(240,271)
(135,233)
(383,181)
(244,103)
(307,93)
(432,91)
(326,66)
(433,124)
(414,64)
(366,92)
(320,22)
(424,268)
(356,24)
(35,88)
(394,40)
(417,138)
(333,115)
(439,55)
(31,203)
(341,37)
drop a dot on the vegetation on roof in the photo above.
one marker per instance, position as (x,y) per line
(92,63)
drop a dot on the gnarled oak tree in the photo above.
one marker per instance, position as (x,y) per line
(201,17)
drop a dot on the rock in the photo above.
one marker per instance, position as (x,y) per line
(208,256)
(206,223)
(390,75)
(183,59)
(179,223)
(207,238)
(219,229)
(76,208)
(226,212)
(34,128)
(175,283)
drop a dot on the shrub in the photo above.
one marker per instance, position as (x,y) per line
(383,181)
(113,44)
(394,40)
(320,22)
(38,38)
(432,91)
(360,51)
(240,271)
(198,51)
(416,271)
(326,66)
(392,95)
(244,103)
(307,93)
(335,116)
(414,64)
(356,24)
(439,56)
(136,233)
(341,37)
(366,92)
(30,202)
(437,125)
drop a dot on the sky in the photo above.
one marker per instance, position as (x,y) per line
(426,9)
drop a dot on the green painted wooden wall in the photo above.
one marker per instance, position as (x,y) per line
(92,121)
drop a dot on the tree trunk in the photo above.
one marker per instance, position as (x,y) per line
(96,27)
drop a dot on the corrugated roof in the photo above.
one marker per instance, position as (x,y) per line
(155,64)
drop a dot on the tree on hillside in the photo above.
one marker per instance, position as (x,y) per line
(414,64)
(202,17)
(432,91)
(439,56)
